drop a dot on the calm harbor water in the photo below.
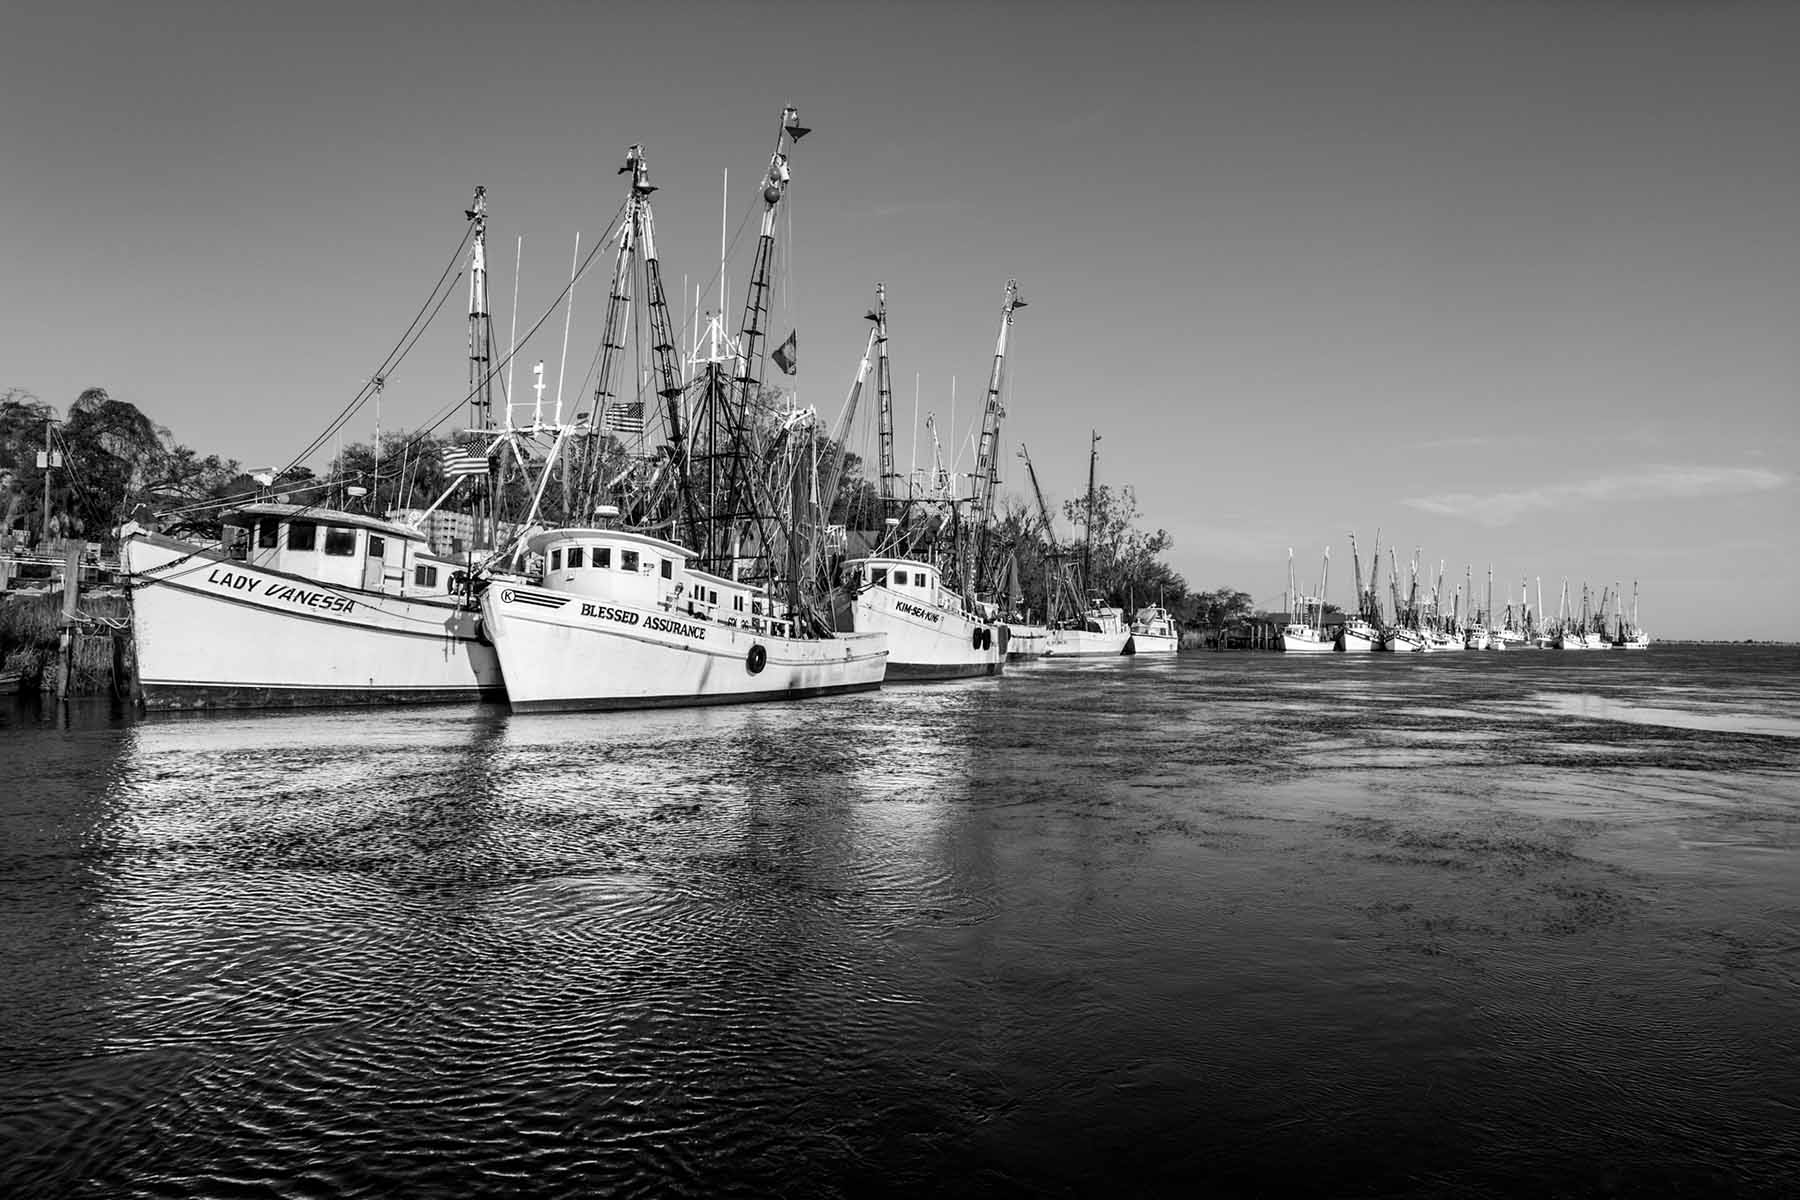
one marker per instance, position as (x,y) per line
(1243,924)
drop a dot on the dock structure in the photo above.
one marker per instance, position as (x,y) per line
(1262,631)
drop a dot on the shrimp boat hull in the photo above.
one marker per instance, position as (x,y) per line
(1153,632)
(1403,641)
(1085,643)
(1025,641)
(930,635)
(570,654)
(925,641)
(1102,633)
(215,631)
(1360,638)
(1299,642)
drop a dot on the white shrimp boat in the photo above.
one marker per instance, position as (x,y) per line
(1025,640)
(1358,636)
(1403,640)
(618,620)
(1153,632)
(1304,639)
(314,606)
(1100,632)
(1438,641)
(929,632)
(1301,636)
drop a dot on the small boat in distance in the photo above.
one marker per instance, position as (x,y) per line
(1632,635)
(1153,632)
(1361,634)
(1305,631)
(1099,630)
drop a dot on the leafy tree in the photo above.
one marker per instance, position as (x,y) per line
(1216,609)
(22,419)
(1124,563)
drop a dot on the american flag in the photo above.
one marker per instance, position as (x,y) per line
(626,418)
(459,462)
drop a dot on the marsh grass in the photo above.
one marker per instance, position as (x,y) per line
(29,625)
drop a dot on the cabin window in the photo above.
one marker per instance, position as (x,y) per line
(877,576)
(756,607)
(712,597)
(302,535)
(424,576)
(339,541)
(628,560)
(602,556)
(737,602)
(899,578)
(575,557)
(668,568)
(556,560)
(377,546)
(268,534)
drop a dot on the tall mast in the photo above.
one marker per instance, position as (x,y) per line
(986,465)
(1087,535)
(481,327)
(1362,601)
(884,391)
(1324,588)
(721,554)
(481,356)
(1393,581)
(1050,588)
(664,356)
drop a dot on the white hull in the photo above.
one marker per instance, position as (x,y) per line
(1026,641)
(1403,641)
(1359,637)
(1303,642)
(1437,643)
(1084,643)
(1153,643)
(928,641)
(212,631)
(1153,631)
(1476,639)
(1639,642)
(567,652)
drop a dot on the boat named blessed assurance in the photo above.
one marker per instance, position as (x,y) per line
(619,620)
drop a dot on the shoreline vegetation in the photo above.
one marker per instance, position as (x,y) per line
(101,661)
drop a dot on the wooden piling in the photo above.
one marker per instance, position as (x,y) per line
(65,642)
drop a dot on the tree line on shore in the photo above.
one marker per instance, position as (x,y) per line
(115,461)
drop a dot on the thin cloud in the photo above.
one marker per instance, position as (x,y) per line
(1650,483)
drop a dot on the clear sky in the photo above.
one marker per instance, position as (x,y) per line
(1516,282)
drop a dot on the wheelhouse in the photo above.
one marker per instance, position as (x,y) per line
(644,572)
(905,577)
(343,549)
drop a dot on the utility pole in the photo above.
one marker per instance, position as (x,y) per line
(48,458)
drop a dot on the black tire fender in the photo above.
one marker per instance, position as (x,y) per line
(757,659)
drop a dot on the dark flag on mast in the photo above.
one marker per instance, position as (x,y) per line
(787,355)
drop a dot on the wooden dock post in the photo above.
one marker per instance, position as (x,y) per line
(65,644)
